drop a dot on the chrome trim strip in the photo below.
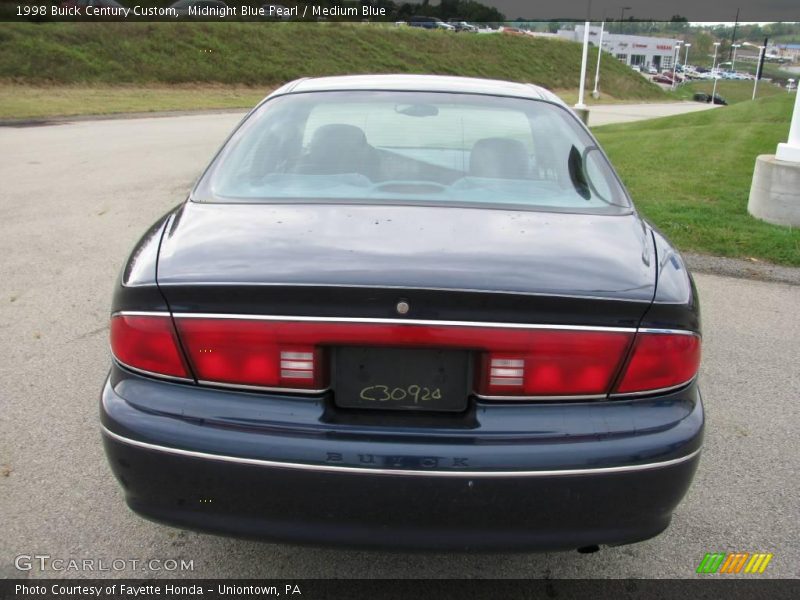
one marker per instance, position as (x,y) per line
(403,322)
(656,391)
(529,398)
(142,313)
(258,388)
(672,331)
(408,472)
(150,373)
(647,301)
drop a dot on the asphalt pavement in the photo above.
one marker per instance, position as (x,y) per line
(606,114)
(74,199)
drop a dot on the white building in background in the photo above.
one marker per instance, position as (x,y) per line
(632,50)
(790,52)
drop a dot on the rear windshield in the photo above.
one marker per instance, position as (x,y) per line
(414,147)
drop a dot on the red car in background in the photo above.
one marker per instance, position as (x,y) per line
(667,78)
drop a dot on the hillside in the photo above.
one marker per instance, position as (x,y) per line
(260,54)
(691,175)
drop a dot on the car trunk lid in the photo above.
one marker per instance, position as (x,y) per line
(408,247)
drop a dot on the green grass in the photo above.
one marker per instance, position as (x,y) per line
(268,54)
(32,101)
(732,91)
(690,175)
(22,101)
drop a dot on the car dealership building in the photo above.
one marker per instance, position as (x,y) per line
(633,50)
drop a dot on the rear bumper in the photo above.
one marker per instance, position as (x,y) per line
(505,478)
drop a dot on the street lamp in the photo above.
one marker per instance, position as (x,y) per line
(584,58)
(714,74)
(733,62)
(686,61)
(758,70)
(596,92)
(676,58)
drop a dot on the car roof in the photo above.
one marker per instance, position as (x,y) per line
(419,83)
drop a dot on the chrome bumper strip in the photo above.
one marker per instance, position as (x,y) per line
(406,472)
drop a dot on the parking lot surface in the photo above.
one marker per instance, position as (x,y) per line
(74,199)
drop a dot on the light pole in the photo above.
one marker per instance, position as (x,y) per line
(686,62)
(584,59)
(758,70)
(714,74)
(733,62)
(622,10)
(675,63)
(596,92)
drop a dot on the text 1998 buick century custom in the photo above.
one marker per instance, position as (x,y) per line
(408,312)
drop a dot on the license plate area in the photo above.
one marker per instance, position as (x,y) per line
(401,378)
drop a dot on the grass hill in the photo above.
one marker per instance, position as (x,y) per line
(691,174)
(267,54)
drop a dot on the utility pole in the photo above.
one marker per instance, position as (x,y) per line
(761,62)
(622,10)
(733,37)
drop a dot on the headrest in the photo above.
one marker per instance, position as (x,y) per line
(502,158)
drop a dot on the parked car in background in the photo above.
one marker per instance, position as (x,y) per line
(406,311)
(424,22)
(463,26)
(666,78)
(703,97)
(636,68)
(652,70)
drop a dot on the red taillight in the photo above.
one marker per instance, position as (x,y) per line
(289,354)
(660,360)
(147,343)
(257,353)
(554,363)
(513,361)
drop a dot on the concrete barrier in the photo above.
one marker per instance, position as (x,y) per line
(583,114)
(775,191)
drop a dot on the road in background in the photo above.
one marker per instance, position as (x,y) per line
(75,198)
(606,114)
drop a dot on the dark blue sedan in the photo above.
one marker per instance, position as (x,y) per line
(406,312)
